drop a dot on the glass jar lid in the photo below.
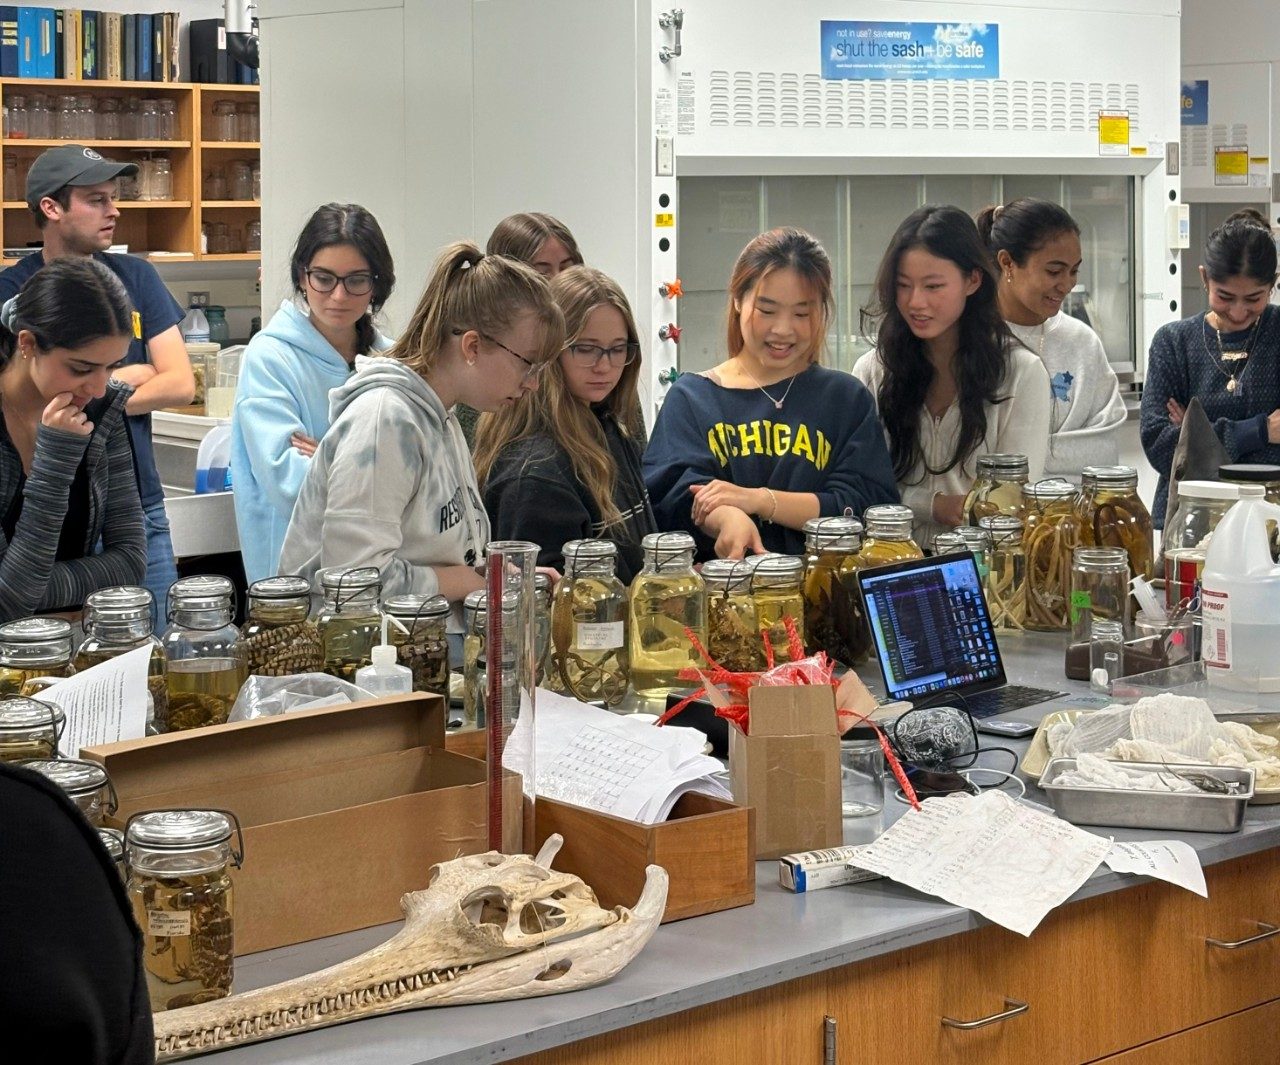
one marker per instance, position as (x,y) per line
(1001,527)
(666,547)
(1250,472)
(889,520)
(727,576)
(1206,490)
(974,539)
(113,840)
(73,775)
(411,607)
(121,603)
(578,552)
(20,714)
(350,579)
(36,631)
(283,587)
(1101,558)
(1109,477)
(1049,490)
(178,830)
(841,532)
(776,569)
(1003,464)
(206,592)
(949,541)
(476,605)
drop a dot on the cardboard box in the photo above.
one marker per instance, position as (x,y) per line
(344,809)
(788,768)
(706,847)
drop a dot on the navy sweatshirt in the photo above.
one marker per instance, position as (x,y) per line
(826,439)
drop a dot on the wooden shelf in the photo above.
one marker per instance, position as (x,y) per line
(89,84)
(124,205)
(43,142)
(206,204)
(232,257)
(234,146)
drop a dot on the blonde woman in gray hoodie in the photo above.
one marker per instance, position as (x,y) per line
(391,484)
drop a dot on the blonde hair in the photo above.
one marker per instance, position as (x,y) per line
(554,411)
(470,290)
(521,236)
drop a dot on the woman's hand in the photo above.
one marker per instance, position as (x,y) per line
(62,413)
(1273,427)
(303,444)
(1176,411)
(706,497)
(736,534)
(948,510)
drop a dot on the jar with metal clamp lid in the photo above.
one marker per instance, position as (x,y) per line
(116,621)
(350,623)
(86,784)
(30,729)
(997,488)
(668,597)
(777,587)
(888,536)
(475,655)
(542,624)
(1006,581)
(977,541)
(733,631)
(280,639)
(589,625)
(112,840)
(1254,473)
(205,653)
(421,644)
(180,889)
(31,648)
(1201,505)
(833,617)
(1050,536)
(1112,515)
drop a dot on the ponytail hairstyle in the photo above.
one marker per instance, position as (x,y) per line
(786,248)
(554,411)
(67,304)
(520,236)
(347,223)
(1242,246)
(982,359)
(470,290)
(1023,226)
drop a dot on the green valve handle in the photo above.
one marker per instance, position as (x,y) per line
(668,377)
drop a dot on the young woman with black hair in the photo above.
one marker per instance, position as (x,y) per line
(1229,356)
(1036,246)
(950,381)
(70,516)
(342,270)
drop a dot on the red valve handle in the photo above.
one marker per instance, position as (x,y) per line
(670,332)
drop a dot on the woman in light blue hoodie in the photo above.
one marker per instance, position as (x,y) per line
(342,269)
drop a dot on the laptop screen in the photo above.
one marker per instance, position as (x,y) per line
(930,625)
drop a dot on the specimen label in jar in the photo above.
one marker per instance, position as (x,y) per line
(188,945)
(600,636)
(167,923)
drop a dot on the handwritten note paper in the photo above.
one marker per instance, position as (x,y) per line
(104,704)
(1165,859)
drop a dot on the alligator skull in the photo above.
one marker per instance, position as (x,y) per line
(489,927)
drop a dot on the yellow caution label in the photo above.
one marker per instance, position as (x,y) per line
(1113,133)
(1137,149)
(664,221)
(1231,164)
(137,326)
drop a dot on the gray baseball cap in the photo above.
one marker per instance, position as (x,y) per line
(70,164)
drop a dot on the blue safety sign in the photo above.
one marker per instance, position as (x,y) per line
(931,51)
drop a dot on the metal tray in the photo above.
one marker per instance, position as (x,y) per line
(1176,811)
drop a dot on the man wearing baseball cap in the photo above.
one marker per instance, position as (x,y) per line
(71,191)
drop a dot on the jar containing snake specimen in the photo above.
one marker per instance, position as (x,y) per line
(118,620)
(420,640)
(280,639)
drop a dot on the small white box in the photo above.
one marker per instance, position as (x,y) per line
(813,870)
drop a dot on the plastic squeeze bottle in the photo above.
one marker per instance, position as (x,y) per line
(384,675)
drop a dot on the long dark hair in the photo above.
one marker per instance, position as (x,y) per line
(786,248)
(1241,247)
(347,223)
(982,359)
(67,304)
(1023,226)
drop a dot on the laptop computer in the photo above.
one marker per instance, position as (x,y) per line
(933,636)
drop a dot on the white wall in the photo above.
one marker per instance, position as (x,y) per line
(1229,31)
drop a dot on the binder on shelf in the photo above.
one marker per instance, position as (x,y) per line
(144,46)
(8,41)
(208,43)
(73,44)
(114,65)
(89,45)
(157,47)
(59,54)
(46,29)
(27,47)
(129,31)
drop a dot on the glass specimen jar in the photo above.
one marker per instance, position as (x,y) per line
(1112,515)
(1006,579)
(86,784)
(1050,536)
(112,840)
(733,632)
(1099,588)
(777,587)
(280,639)
(833,618)
(888,536)
(31,648)
(668,597)
(1201,505)
(997,487)
(29,729)
(349,622)
(475,656)
(180,889)
(421,645)
(205,653)
(117,620)
(589,623)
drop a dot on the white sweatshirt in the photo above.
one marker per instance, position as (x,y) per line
(1087,410)
(1019,425)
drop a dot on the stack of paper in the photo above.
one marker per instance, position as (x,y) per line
(617,765)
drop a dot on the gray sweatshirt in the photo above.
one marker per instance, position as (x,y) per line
(391,485)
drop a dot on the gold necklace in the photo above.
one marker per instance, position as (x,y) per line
(1235,357)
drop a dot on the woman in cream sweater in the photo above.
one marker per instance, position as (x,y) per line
(950,382)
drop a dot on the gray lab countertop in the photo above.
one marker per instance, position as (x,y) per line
(688,963)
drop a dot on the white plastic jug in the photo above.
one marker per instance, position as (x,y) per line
(1240,600)
(213,460)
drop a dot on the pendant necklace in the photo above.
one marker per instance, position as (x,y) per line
(777,403)
(1236,356)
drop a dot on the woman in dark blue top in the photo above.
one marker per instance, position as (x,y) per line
(743,455)
(1229,356)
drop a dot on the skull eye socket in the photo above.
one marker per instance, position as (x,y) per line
(487,906)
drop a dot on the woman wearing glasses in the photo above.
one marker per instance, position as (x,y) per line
(561,466)
(391,484)
(342,269)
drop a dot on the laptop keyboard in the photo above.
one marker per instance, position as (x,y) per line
(1010,697)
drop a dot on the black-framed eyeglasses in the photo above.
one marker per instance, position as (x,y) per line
(589,355)
(359,283)
(533,369)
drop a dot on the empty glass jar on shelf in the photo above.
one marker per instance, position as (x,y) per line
(223,125)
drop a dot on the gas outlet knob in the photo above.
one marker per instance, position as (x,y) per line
(669,376)
(670,332)
(671,290)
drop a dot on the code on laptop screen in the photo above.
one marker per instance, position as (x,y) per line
(931,627)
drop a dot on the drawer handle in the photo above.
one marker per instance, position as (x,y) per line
(1268,930)
(1013,1008)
